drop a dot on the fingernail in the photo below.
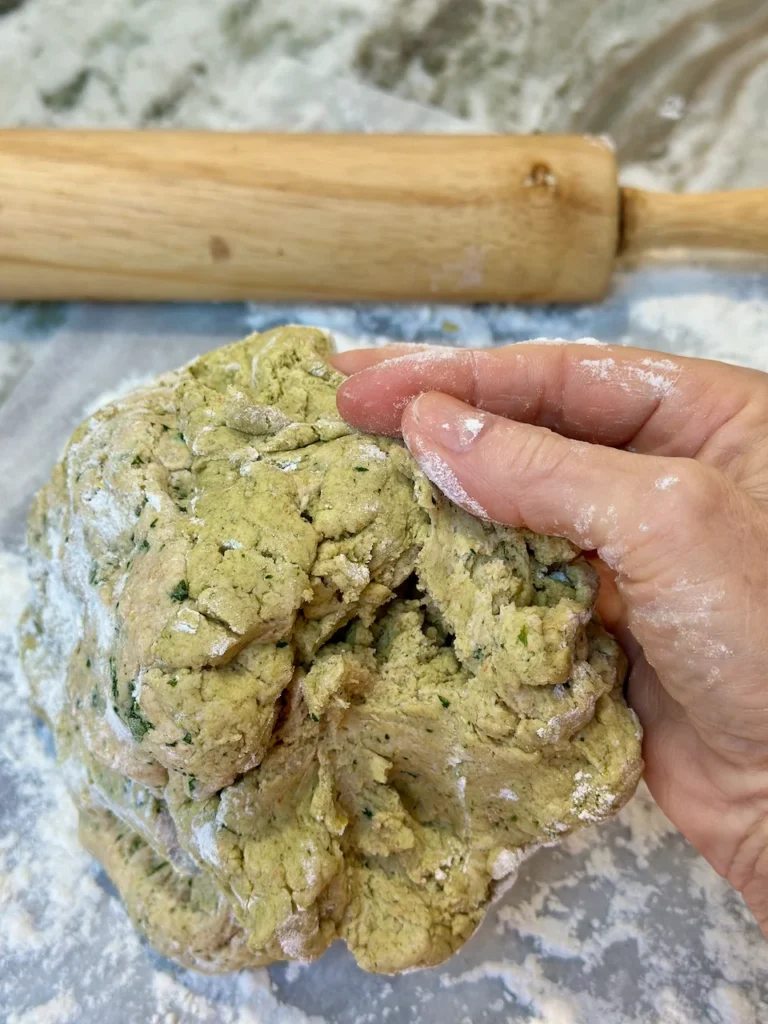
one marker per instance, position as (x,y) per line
(449,422)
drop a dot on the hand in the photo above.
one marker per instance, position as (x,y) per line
(659,465)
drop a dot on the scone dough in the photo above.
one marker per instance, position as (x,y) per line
(297,694)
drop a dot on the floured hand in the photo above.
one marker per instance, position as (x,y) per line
(659,465)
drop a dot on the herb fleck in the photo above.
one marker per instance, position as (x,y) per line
(137,461)
(522,636)
(368,812)
(136,722)
(187,737)
(443,701)
(281,643)
(313,716)
(87,662)
(173,682)
(180,592)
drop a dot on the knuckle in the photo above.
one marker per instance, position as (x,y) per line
(535,451)
(747,869)
(695,492)
(473,369)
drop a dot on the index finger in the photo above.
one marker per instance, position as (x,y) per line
(611,395)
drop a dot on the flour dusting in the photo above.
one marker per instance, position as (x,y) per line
(630,377)
(470,427)
(59,1010)
(443,477)
(665,483)
(562,341)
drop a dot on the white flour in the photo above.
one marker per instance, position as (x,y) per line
(442,476)
(716,325)
(59,1010)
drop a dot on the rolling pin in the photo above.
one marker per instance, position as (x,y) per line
(120,215)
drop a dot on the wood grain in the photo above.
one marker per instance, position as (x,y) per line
(197,215)
(736,221)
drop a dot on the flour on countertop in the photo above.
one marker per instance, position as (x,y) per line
(127,384)
(714,325)
(59,1010)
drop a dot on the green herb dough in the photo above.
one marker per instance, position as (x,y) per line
(297,694)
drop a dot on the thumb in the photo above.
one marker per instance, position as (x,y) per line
(666,525)
(522,475)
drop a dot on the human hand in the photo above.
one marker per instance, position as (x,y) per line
(659,465)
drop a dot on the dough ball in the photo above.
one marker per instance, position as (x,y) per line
(298,695)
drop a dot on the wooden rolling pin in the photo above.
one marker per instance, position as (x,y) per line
(200,215)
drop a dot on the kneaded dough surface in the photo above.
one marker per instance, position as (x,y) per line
(297,694)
